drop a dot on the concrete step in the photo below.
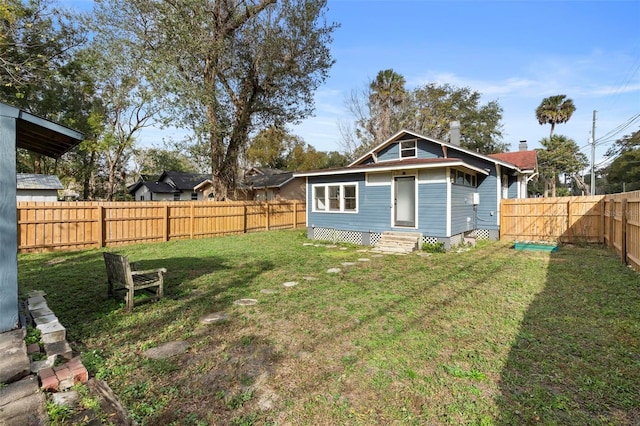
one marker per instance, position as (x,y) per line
(398,242)
(14,361)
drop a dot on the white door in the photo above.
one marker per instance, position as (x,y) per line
(405,201)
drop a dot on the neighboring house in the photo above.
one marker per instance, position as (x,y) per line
(170,186)
(416,184)
(35,187)
(264,184)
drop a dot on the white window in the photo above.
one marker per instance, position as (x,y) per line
(336,197)
(194,195)
(461,178)
(408,149)
(319,201)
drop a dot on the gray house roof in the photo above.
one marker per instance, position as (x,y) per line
(259,177)
(34,181)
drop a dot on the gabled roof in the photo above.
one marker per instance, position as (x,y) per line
(525,160)
(268,178)
(450,147)
(35,181)
(411,163)
(182,180)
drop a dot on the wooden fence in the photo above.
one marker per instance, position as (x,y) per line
(610,219)
(49,226)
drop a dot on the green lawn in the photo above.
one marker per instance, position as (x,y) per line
(487,336)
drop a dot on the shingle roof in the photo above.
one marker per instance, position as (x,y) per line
(160,187)
(273,178)
(185,181)
(34,181)
(524,160)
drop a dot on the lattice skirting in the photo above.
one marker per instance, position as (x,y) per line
(429,240)
(482,234)
(337,235)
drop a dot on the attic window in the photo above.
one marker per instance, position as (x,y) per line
(408,149)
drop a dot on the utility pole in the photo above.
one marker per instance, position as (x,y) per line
(593,154)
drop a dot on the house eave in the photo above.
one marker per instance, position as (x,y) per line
(385,167)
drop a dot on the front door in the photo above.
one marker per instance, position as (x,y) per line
(405,201)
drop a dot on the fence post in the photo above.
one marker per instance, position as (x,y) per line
(102,225)
(268,219)
(623,242)
(612,222)
(295,215)
(569,220)
(603,204)
(165,224)
(244,215)
(193,218)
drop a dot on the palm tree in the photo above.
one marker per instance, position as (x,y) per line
(387,92)
(554,110)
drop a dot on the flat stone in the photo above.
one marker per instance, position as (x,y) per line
(309,278)
(245,302)
(268,291)
(307,244)
(22,403)
(65,399)
(364,259)
(167,350)
(44,319)
(378,255)
(36,302)
(290,284)
(362,251)
(61,348)
(333,270)
(348,263)
(35,293)
(343,248)
(36,366)
(14,361)
(423,254)
(331,246)
(214,318)
(41,312)
(52,332)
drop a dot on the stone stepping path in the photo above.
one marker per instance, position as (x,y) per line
(345,264)
(308,278)
(245,302)
(364,259)
(167,350)
(268,291)
(333,270)
(214,318)
(290,284)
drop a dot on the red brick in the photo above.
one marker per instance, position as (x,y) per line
(33,348)
(63,373)
(80,374)
(46,372)
(50,383)
(74,363)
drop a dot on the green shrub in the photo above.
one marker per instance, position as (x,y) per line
(434,247)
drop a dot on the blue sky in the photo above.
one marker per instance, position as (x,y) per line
(515,52)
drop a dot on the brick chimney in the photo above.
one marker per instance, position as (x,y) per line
(454,133)
(523,146)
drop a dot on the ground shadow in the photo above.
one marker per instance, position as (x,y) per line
(575,359)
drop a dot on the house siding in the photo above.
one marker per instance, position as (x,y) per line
(487,209)
(462,214)
(432,209)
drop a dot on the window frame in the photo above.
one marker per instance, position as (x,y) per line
(402,150)
(469,180)
(338,203)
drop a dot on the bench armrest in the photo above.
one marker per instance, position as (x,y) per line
(149,271)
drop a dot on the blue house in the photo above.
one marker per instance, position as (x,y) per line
(416,184)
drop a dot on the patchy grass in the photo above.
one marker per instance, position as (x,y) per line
(488,336)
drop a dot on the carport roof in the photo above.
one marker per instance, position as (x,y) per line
(39,135)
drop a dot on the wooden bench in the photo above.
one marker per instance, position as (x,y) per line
(122,278)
